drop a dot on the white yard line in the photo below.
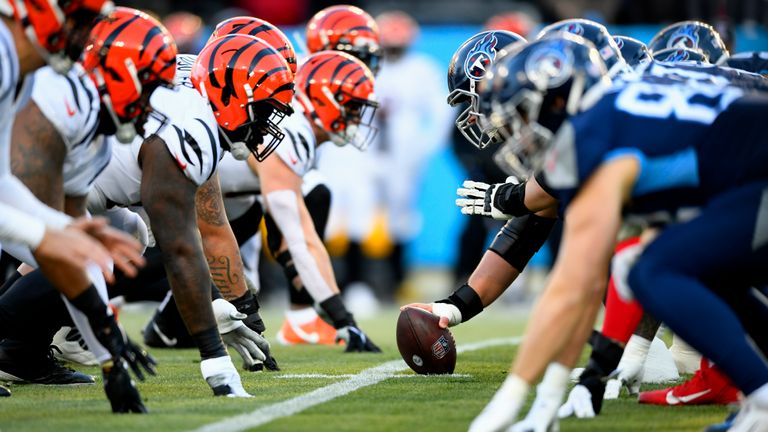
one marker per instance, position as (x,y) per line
(365,378)
(339,376)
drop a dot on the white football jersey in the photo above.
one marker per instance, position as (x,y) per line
(187,126)
(9,76)
(240,185)
(71,103)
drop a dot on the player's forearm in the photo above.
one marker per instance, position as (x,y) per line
(15,194)
(224,262)
(492,276)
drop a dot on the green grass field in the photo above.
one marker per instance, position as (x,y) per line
(178,399)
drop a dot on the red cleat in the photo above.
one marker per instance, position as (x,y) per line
(707,386)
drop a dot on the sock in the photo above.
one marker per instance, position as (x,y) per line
(301,316)
(338,313)
(210,344)
(759,397)
(555,379)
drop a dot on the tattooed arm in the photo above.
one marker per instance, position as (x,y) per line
(169,199)
(37,156)
(219,242)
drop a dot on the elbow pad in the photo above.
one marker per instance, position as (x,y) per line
(520,238)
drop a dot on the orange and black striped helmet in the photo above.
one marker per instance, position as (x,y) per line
(336,92)
(128,56)
(59,28)
(250,88)
(262,30)
(348,29)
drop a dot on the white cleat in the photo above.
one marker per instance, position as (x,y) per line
(222,377)
(542,417)
(68,345)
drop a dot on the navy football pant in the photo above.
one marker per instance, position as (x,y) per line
(697,278)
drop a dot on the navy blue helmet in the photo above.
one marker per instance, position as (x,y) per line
(751,61)
(530,92)
(595,33)
(676,55)
(694,35)
(468,66)
(632,50)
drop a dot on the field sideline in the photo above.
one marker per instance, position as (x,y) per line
(393,399)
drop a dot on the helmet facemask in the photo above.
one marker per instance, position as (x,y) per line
(260,135)
(137,112)
(526,131)
(470,118)
(354,123)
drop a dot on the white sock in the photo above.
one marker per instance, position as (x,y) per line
(555,379)
(514,388)
(759,397)
(301,316)
(637,348)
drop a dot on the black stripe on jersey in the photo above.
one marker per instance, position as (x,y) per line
(212,141)
(189,139)
(9,87)
(183,147)
(293,141)
(88,138)
(74,92)
(306,145)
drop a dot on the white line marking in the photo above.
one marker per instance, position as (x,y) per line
(365,378)
(339,376)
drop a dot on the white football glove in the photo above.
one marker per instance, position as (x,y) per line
(479,198)
(250,345)
(579,404)
(222,377)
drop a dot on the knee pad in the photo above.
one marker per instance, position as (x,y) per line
(318,202)
(520,238)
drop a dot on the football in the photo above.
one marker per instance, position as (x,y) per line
(427,348)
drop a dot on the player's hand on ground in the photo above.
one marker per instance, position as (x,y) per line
(251,346)
(478,198)
(113,338)
(579,404)
(356,340)
(121,390)
(124,249)
(449,314)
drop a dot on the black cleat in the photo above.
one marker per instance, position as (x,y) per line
(46,370)
(156,335)
(4,392)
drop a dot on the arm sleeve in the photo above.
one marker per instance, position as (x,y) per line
(283,206)
(17,227)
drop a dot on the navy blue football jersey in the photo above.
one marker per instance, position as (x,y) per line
(751,61)
(692,141)
(703,73)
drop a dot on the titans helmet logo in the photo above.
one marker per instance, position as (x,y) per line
(480,57)
(684,37)
(549,66)
(677,55)
(574,28)
(619,43)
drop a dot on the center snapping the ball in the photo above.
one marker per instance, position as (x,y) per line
(427,348)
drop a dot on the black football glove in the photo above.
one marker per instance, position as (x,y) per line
(121,390)
(356,340)
(249,305)
(112,337)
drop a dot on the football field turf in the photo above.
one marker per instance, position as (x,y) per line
(323,389)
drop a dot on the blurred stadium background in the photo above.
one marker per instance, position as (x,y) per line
(394,227)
